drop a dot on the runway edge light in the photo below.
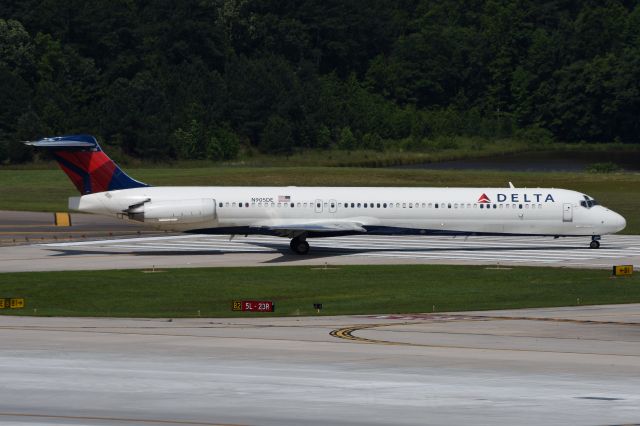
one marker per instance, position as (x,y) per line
(622,270)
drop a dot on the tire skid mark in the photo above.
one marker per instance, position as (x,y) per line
(346,333)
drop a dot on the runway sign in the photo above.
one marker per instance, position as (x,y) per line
(253,306)
(622,270)
(11,303)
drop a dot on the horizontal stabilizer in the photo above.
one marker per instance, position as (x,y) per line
(77,141)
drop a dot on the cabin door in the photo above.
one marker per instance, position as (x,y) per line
(567,212)
(318,206)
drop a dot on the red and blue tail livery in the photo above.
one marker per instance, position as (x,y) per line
(88,167)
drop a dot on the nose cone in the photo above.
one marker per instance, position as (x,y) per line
(617,222)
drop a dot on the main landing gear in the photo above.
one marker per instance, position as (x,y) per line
(595,242)
(299,245)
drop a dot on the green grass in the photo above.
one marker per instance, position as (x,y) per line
(440,149)
(48,190)
(428,151)
(344,290)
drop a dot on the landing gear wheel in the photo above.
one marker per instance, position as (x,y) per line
(594,244)
(299,246)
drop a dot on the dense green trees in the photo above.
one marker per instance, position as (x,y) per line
(204,78)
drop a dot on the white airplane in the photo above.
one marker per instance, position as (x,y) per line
(307,212)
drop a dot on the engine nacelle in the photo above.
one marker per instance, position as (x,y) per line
(177,211)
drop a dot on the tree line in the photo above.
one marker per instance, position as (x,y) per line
(200,79)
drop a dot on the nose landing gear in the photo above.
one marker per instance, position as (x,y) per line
(299,245)
(595,242)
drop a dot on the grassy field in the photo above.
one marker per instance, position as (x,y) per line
(441,149)
(48,190)
(444,148)
(344,290)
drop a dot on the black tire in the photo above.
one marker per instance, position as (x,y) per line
(299,246)
(594,244)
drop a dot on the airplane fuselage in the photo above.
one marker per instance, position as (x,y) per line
(274,210)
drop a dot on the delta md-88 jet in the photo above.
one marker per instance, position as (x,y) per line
(300,213)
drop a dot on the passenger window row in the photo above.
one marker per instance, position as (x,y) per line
(486,206)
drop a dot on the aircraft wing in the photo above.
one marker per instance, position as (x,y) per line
(299,227)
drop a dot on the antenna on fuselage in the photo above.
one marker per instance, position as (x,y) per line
(511,185)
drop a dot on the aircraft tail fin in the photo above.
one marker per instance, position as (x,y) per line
(88,167)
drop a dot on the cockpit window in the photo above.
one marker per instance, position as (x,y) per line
(588,202)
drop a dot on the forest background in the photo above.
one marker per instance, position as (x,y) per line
(222,79)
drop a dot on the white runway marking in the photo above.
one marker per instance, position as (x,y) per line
(434,249)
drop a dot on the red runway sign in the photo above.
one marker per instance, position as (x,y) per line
(253,306)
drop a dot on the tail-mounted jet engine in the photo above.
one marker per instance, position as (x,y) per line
(178,211)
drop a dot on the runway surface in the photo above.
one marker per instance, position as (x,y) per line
(17,227)
(30,242)
(541,366)
(204,251)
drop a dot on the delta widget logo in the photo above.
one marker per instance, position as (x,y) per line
(484,199)
(518,198)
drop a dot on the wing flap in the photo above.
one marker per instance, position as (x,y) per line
(315,226)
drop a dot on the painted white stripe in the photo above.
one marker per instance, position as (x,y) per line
(170,248)
(490,250)
(484,259)
(461,254)
(84,243)
(332,242)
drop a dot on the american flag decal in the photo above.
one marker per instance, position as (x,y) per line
(284,198)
